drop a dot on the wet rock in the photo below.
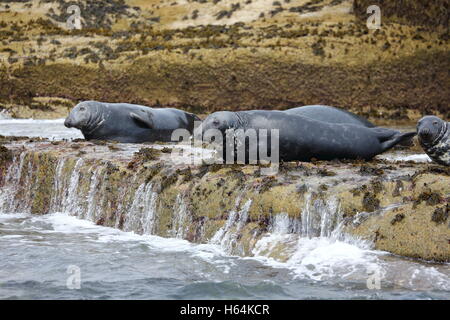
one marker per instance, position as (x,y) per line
(147,154)
(440,215)
(398,217)
(5,154)
(370,202)
(203,198)
(368,170)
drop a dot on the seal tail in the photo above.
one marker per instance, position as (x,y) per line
(390,138)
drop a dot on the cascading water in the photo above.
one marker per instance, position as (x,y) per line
(92,200)
(227,236)
(12,179)
(67,197)
(287,260)
(59,187)
(319,217)
(314,246)
(141,215)
(70,199)
(180,219)
(18,181)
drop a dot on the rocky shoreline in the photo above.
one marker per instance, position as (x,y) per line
(400,207)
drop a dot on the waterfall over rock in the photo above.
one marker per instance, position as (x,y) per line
(227,207)
(227,236)
(141,215)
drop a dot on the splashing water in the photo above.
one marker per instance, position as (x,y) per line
(315,247)
(227,236)
(299,257)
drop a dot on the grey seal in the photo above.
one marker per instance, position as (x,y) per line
(128,123)
(304,139)
(336,115)
(434,138)
(330,114)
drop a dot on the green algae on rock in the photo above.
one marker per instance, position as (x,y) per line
(243,61)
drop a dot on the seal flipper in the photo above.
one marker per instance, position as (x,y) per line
(389,138)
(143,121)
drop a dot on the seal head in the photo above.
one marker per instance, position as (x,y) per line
(430,129)
(434,137)
(85,116)
(222,121)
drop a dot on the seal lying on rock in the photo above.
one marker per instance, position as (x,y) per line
(127,123)
(330,115)
(302,138)
(434,137)
(335,115)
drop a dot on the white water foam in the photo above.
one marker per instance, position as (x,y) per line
(394,157)
(317,259)
(336,256)
(319,218)
(315,248)
(67,224)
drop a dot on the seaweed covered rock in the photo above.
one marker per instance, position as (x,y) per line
(402,209)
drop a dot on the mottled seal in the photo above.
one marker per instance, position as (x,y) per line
(329,114)
(302,138)
(434,137)
(128,123)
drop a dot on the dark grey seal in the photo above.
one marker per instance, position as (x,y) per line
(128,123)
(329,114)
(335,115)
(302,138)
(434,137)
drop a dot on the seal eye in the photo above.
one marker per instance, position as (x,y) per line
(82,109)
(435,123)
(216,122)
